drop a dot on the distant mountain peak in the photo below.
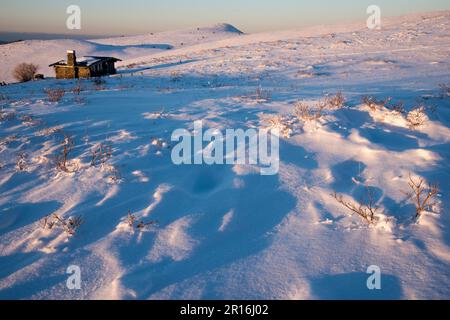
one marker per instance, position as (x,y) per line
(228,28)
(221,27)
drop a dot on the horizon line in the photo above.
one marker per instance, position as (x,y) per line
(92,36)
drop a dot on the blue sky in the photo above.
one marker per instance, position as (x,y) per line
(140,16)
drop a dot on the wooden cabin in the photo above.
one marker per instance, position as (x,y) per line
(86,67)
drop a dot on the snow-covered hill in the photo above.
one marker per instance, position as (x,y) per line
(45,52)
(225,231)
(178,38)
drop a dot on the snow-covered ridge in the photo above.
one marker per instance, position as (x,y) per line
(176,38)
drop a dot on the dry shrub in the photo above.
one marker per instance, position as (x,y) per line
(131,219)
(160,114)
(69,225)
(115,175)
(25,72)
(336,101)
(45,132)
(100,154)
(134,222)
(61,159)
(29,120)
(285,124)
(416,118)
(423,194)
(366,208)
(6,141)
(77,97)
(306,112)
(375,104)
(7,116)
(55,95)
(77,89)
(262,95)
(21,162)
(398,107)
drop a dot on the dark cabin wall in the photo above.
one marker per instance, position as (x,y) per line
(111,68)
(102,69)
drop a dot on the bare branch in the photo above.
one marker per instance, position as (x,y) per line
(366,209)
(423,195)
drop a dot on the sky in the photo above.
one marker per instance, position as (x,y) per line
(123,17)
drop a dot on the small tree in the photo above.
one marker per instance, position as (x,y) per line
(25,72)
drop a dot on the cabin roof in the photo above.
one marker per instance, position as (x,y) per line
(86,61)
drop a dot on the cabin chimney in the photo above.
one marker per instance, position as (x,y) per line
(71,58)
